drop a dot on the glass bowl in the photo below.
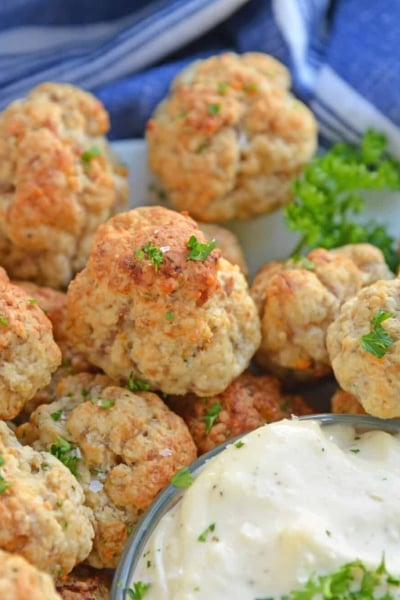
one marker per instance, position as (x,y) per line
(171,495)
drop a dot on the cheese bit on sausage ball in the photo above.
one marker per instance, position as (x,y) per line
(227,242)
(297,301)
(19,580)
(129,446)
(364,348)
(58,182)
(156,302)
(28,352)
(229,139)
(42,514)
(248,402)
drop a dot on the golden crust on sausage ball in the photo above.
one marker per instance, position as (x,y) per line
(42,514)
(369,260)
(343,402)
(227,242)
(297,300)
(149,305)
(369,367)
(19,580)
(248,402)
(58,182)
(28,353)
(229,139)
(129,446)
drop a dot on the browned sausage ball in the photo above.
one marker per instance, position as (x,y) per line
(19,580)
(149,305)
(58,182)
(229,139)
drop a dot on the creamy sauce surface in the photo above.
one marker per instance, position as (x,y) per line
(293,500)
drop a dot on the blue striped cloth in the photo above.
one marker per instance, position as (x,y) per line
(343,54)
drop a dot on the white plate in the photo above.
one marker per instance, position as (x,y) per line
(264,238)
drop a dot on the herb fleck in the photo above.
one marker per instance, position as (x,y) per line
(377,341)
(153,253)
(137,385)
(239,444)
(204,534)
(199,250)
(66,452)
(56,416)
(182,478)
(213,109)
(211,415)
(4,484)
(92,152)
(3,321)
(138,591)
(169,315)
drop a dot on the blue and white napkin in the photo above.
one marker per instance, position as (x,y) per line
(344,55)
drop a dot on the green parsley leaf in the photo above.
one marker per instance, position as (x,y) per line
(377,341)
(32,301)
(103,402)
(327,197)
(204,534)
(2,461)
(85,393)
(182,478)
(3,321)
(222,88)
(211,415)
(56,416)
(169,315)
(199,250)
(239,444)
(92,152)
(137,385)
(213,109)
(138,591)
(352,581)
(66,452)
(4,485)
(153,253)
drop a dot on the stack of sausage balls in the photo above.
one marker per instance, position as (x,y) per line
(127,337)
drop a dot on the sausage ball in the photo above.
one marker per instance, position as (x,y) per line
(58,182)
(229,139)
(129,445)
(42,514)
(248,402)
(19,580)
(343,402)
(297,300)
(227,242)
(28,353)
(85,583)
(156,302)
(364,348)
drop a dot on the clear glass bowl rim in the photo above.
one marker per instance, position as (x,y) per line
(170,495)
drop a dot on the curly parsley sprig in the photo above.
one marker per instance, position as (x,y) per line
(378,340)
(327,197)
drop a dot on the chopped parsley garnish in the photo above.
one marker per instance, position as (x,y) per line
(377,341)
(32,301)
(103,402)
(327,197)
(213,109)
(92,152)
(222,88)
(211,415)
(199,250)
(182,478)
(204,534)
(2,461)
(3,321)
(138,591)
(169,315)
(239,444)
(4,484)
(56,416)
(85,392)
(137,385)
(65,452)
(153,253)
(352,581)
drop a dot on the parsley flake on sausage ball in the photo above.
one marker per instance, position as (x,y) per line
(230,138)
(42,514)
(128,446)
(28,352)
(58,182)
(157,302)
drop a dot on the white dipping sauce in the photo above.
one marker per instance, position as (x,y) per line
(294,500)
